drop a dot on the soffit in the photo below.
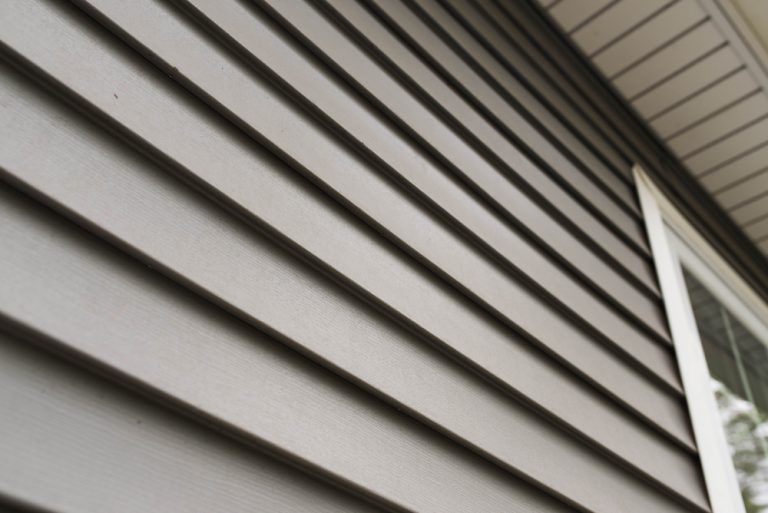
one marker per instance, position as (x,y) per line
(696,71)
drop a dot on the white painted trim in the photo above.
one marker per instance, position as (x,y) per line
(753,317)
(699,254)
(719,473)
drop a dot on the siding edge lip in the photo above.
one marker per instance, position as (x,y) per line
(29,67)
(655,334)
(664,383)
(583,323)
(94,364)
(631,358)
(326,9)
(558,422)
(447,327)
(218,422)
(638,245)
(659,336)
(621,150)
(205,419)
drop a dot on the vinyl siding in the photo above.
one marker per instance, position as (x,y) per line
(322,256)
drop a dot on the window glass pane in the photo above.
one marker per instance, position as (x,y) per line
(738,366)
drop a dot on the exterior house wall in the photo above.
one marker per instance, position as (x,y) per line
(331,256)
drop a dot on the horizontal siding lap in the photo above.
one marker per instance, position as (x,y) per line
(120,445)
(550,47)
(601,192)
(502,56)
(535,38)
(121,191)
(219,364)
(507,104)
(335,154)
(644,307)
(446,144)
(509,44)
(391,244)
(533,216)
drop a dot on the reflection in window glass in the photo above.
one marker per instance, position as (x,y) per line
(738,366)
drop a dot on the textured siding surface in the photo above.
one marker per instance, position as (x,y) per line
(322,256)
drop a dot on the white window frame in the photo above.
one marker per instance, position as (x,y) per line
(674,243)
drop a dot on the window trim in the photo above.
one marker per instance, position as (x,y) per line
(674,242)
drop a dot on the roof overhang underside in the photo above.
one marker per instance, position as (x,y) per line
(695,74)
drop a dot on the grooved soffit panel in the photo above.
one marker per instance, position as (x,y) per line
(696,71)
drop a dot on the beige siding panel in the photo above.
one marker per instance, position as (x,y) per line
(311,25)
(86,159)
(194,154)
(469,14)
(73,442)
(518,37)
(687,82)
(705,103)
(669,61)
(614,22)
(642,305)
(720,125)
(317,255)
(514,51)
(648,37)
(498,106)
(504,114)
(243,381)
